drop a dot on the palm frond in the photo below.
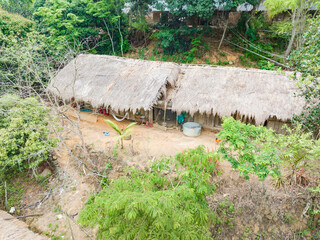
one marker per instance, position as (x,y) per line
(114,126)
(127,129)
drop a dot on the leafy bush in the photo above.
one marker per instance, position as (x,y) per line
(266,65)
(24,133)
(296,149)
(242,146)
(166,203)
(258,150)
(173,41)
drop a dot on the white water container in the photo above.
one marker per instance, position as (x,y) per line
(191,129)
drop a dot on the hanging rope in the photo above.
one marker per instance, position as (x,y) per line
(118,119)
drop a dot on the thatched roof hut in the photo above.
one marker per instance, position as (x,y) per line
(123,84)
(131,85)
(254,93)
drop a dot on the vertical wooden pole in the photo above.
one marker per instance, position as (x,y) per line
(151,116)
(224,32)
(5,195)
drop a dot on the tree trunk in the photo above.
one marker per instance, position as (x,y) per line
(293,33)
(224,32)
(119,28)
(111,39)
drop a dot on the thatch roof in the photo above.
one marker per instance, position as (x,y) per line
(220,90)
(112,81)
(130,84)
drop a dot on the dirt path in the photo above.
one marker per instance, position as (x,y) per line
(15,229)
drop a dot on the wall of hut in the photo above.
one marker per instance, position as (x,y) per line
(213,121)
(166,117)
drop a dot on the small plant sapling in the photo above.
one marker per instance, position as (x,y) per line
(121,133)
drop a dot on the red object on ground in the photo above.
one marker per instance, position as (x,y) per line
(151,124)
(100,111)
(147,124)
(105,111)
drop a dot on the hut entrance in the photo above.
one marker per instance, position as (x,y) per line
(165,118)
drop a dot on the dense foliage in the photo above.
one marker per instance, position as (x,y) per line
(94,25)
(165,203)
(13,27)
(24,133)
(202,9)
(241,146)
(306,60)
(296,23)
(22,7)
(260,151)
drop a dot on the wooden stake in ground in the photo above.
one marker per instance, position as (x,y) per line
(224,32)
(5,194)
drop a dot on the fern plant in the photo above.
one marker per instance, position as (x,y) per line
(121,134)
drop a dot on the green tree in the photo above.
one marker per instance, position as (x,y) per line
(98,26)
(203,8)
(110,14)
(298,10)
(306,61)
(22,7)
(59,22)
(167,202)
(13,27)
(242,146)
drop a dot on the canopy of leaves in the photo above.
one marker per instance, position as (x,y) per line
(278,6)
(203,8)
(306,61)
(22,7)
(59,21)
(155,204)
(13,27)
(94,25)
(24,133)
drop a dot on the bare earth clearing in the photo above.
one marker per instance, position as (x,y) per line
(274,215)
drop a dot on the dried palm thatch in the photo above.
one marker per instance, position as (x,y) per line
(254,93)
(123,84)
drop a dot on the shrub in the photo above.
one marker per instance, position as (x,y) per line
(248,148)
(173,41)
(166,203)
(24,133)
(258,150)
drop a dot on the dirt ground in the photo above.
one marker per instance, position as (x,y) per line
(257,215)
(148,142)
(70,185)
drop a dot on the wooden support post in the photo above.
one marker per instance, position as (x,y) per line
(151,116)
